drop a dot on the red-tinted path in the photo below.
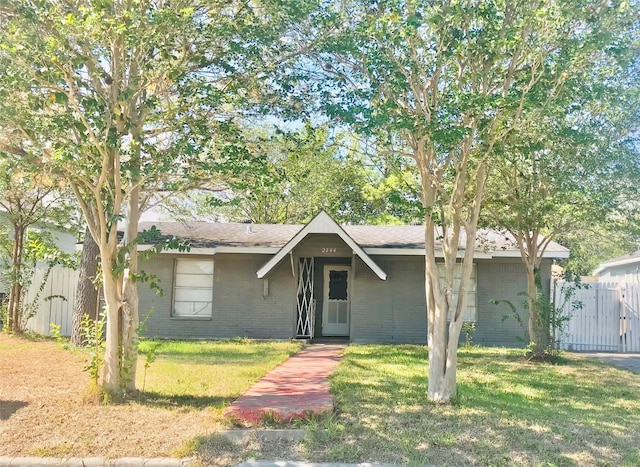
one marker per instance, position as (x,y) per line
(293,389)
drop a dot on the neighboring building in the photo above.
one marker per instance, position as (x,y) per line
(364,283)
(624,270)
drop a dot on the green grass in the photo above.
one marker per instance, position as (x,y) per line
(507,411)
(206,373)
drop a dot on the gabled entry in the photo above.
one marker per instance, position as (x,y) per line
(323,223)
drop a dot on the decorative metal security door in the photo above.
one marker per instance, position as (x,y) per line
(306,303)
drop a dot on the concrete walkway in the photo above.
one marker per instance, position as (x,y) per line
(628,361)
(293,389)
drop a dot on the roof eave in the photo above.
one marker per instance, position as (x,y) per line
(613,264)
(368,251)
(199,250)
(393,251)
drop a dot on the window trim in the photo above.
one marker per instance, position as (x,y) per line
(474,279)
(173,314)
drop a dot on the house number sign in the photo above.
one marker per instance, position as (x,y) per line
(328,250)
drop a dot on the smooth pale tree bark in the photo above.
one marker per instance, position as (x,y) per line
(112,354)
(443,319)
(130,301)
(86,297)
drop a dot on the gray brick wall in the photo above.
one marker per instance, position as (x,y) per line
(394,310)
(504,280)
(239,308)
(391,311)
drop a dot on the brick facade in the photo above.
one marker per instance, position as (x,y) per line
(391,311)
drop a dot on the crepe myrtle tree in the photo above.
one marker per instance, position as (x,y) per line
(451,80)
(127,99)
(569,171)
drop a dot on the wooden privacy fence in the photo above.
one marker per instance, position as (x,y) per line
(55,303)
(601,317)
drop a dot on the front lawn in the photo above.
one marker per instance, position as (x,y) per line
(508,412)
(207,374)
(45,408)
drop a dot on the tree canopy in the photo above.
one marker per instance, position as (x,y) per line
(128,99)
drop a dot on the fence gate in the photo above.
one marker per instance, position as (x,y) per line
(630,321)
(601,317)
(306,303)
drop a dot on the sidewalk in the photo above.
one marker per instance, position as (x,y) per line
(293,389)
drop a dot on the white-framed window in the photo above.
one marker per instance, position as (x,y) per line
(470,314)
(193,288)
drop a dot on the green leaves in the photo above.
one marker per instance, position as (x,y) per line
(41,246)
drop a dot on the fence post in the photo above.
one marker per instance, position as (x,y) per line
(623,330)
(554,317)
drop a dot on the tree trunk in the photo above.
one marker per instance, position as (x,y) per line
(438,390)
(112,294)
(130,317)
(539,325)
(442,372)
(13,312)
(533,310)
(445,325)
(14,322)
(121,299)
(445,322)
(86,299)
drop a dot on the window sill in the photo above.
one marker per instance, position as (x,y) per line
(191,318)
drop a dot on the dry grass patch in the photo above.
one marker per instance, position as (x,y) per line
(43,391)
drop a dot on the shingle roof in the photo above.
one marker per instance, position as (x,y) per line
(211,235)
(615,261)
